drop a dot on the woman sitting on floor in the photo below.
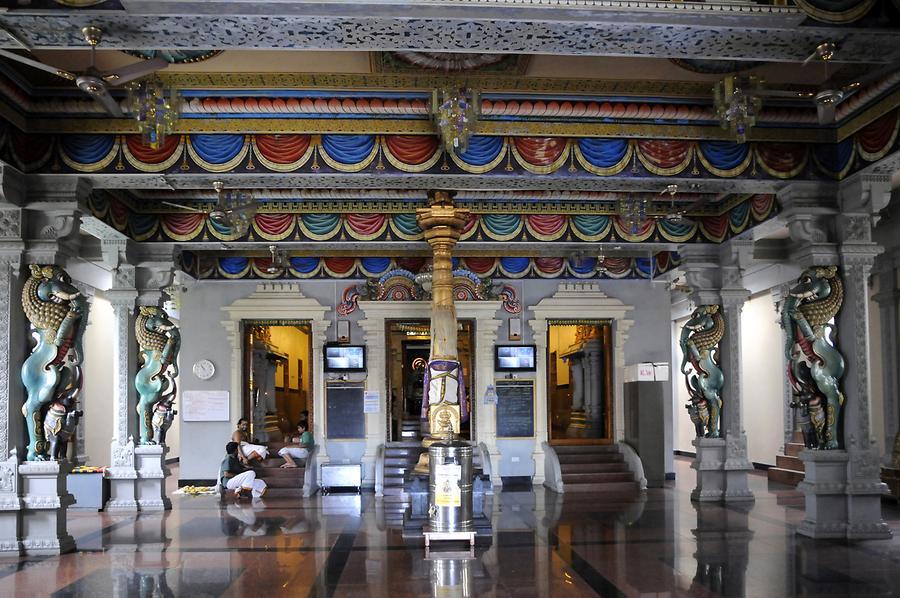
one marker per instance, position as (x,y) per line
(248,452)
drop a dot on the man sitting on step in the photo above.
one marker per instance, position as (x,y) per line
(305,442)
(246,451)
(237,477)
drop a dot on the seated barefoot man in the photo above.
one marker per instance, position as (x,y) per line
(247,452)
(304,441)
(236,477)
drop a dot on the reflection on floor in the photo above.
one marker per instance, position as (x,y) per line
(544,544)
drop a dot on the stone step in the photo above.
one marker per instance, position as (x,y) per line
(402,444)
(394,491)
(396,470)
(605,489)
(793,449)
(591,478)
(400,462)
(785,476)
(276,472)
(283,482)
(277,462)
(593,467)
(590,458)
(585,448)
(788,462)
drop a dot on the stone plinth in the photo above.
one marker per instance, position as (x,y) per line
(151,477)
(44,504)
(10,506)
(710,466)
(835,506)
(122,478)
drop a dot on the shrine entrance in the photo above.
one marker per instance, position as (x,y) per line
(409,348)
(580,381)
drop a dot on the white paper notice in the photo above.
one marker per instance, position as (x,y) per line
(205,405)
(490,395)
(371,399)
(446,485)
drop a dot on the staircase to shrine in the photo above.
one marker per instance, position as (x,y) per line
(286,482)
(789,468)
(599,468)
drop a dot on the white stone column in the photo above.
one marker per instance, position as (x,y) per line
(122,473)
(376,379)
(318,326)
(485,415)
(576,378)
(541,433)
(593,375)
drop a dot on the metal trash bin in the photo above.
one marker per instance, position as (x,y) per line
(450,486)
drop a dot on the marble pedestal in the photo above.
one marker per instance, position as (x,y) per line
(836,505)
(10,508)
(44,504)
(149,461)
(122,478)
(710,466)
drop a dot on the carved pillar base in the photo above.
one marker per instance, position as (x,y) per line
(122,478)
(710,466)
(150,462)
(44,504)
(10,508)
(836,508)
(723,539)
(737,466)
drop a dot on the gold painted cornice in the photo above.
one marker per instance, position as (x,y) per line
(428,81)
(323,126)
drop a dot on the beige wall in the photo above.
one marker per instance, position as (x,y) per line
(762,379)
(97,394)
(684,429)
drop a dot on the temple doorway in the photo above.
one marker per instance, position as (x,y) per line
(277,377)
(579,381)
(408,351)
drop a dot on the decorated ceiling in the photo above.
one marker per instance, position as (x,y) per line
(578,121)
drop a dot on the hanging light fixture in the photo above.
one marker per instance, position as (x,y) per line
(155,109)
(633,211)
(737,103)
(277,260)
(455,111)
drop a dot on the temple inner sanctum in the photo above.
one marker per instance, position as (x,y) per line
(449,298)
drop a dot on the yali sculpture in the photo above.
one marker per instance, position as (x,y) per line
(58,313)
(159,341)
(699,342)
(815,366)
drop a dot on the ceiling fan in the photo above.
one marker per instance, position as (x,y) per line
(277,260)
(675,214)
(233,209)
(829,95)
(91,81)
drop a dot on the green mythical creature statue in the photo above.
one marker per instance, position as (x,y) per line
(58,313)
(814,365)
(699,342)
(159,342)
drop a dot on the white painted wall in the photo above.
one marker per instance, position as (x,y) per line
(97,393)
(683,432)
(762,379)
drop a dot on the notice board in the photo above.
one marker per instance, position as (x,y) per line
(345,416)
(515,408)
(205,405)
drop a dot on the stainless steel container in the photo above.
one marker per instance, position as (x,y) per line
(450,486)
(451,578)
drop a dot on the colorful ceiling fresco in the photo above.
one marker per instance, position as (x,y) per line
(486,155)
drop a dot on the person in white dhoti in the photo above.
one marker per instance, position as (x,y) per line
(248,452)
(236,477)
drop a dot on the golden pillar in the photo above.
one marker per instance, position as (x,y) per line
(442,224)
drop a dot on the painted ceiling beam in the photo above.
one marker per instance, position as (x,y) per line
(731,31)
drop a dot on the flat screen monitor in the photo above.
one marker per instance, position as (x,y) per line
(514,358)
(345,358)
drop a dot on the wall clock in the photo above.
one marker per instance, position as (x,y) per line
(204,369)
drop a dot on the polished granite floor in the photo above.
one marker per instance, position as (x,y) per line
(543,545)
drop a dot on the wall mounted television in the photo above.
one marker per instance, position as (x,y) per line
(345,358)
(514,358)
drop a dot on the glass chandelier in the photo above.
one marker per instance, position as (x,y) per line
(154,108)
(737,104)
(633,212)
(455,111)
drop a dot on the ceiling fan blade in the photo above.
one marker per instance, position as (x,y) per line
(826,113)
(781,93)
(133,71)
(38,65)
(247,207)
(103,98)
(179,206)
(874,76)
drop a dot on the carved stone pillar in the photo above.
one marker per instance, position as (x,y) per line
(576,376)
(736,463)
(485,415)
(12,354)
(888,300)
(122,473)
(593,375)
